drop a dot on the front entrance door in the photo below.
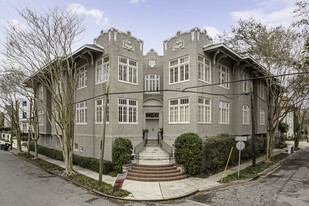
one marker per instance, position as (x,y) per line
(153,128)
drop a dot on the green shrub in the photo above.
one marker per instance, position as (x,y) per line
(188,151)
(283,127)
(217,150)
(122,152)
(85,162)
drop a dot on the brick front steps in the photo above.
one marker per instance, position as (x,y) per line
(155,173)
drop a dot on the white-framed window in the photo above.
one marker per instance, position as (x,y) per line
(179,110)
(99,111)
(262,91)
(81,113)
(152,83)
(204,72)
(204,110)
(127,70)
(102,69)
(127,111)
(82,77)
(245,84)
(224,112)
(40,117)
(245,114)
(179,70)
(224,76)
(76,146)
(58,87)
(40,92)
(262,117)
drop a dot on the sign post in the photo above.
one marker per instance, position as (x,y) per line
(119,181)
(240,145)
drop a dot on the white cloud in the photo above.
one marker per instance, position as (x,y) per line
(282,16)
(95,13)
(136,1)
(212,31)
(15,23)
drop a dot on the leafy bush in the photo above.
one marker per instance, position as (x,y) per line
(283,127)
(122,152)
(85,162)
(188,151)
(217,150)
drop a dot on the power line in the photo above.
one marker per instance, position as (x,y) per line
(242,80)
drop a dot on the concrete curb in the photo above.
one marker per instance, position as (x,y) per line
(263,174)
(100,193)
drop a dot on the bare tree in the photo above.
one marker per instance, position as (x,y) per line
(9,98)
(280,51)
(42,50)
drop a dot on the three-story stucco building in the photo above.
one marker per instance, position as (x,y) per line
(183,90)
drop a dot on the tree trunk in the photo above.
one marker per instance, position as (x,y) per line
(18,140)
(296,140)
(36,156)
(267,147)
(68,161)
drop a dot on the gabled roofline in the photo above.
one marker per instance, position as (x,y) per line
(247,58)
(94,47)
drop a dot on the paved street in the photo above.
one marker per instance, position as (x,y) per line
(289,185)
(22,183)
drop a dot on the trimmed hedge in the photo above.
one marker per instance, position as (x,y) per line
(188,151)
(85,162)
(122,153)
(217,150)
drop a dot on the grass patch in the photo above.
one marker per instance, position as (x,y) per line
(104,187)
(47,165)
(259,167)
(113,173)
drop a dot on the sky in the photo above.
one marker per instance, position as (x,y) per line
(154,21)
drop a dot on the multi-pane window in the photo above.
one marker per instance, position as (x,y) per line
(81,113)
(224,112)
(24,115)
(262,91)
(179,110)
(127,70)
(262,117)
(82,78)
(204,69)
(179,70)
(245,114)
(204,110)
(224,76)
(40,91)
(99,111)
(127,111)
(102,69)
(40,117)
(152,83)
(245,84)
(76,146)
(24,103)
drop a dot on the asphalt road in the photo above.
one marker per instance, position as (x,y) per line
(22,183)
(288,185)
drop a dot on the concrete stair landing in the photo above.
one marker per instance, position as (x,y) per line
(154,155)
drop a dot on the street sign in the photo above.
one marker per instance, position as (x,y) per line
(241,138)
(119,181)
(240,145)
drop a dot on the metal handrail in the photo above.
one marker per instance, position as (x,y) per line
(139,147)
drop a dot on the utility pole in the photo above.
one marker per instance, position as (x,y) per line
(106,90)
(253,117)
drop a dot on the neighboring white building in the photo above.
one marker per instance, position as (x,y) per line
(24,114)
(289,119)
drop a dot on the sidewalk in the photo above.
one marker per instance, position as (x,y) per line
(167,190)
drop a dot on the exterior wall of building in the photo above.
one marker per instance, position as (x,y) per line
(188,44)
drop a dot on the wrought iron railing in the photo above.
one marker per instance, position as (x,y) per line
(138,148)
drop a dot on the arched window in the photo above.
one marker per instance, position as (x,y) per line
(152,83)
